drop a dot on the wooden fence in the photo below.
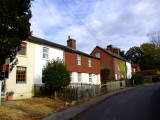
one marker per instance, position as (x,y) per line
(113,85)
(78,92)
(71,93)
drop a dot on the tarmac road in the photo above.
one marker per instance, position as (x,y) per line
(142,103)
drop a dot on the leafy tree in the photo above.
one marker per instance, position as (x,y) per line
(55,75)
(147,56)
(150,58)
(154,38)
(134,54)
(122,53)
(14,27)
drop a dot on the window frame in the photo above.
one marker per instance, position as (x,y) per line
(45,53)
(90,77)
(89,62)
(79,60)
(23,49)
(71,76)
(79,77)
(19,74)
(98,55)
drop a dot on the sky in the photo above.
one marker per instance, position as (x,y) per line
(122,23)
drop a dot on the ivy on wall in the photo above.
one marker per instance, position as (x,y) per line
(123,68)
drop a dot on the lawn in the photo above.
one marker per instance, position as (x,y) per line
(30,109)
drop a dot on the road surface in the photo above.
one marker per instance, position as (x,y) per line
(141,103)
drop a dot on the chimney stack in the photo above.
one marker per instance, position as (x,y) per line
(116,51)
(71,43)
(110,48)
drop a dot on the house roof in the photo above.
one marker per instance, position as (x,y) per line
(112,54)
(52,44)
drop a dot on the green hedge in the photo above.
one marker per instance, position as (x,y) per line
(156,79)
(138,79)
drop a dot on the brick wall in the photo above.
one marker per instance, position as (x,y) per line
(110,62)
(71,63)
(106,61)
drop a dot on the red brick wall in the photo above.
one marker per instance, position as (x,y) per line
(106,61)
(109,62)
(71,63)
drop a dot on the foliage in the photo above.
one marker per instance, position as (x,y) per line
(147,56)
(104,75)
(123,68)
(134,54)
(154,38)
(14,27)
(122,53)
(10,93)
(138,79)
(156,79)
(55,75)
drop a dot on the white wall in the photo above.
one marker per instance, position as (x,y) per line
(54,53)
(129,70)
(85,78)
(23,90)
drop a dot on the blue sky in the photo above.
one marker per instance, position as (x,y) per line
(122,23)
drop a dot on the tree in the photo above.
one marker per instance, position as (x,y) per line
(154,38)
(55,75)
(134,54)
(147,56)
(14,27)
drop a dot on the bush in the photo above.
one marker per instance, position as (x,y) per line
(55,75)
(138,79)
(104,75)
(156,79)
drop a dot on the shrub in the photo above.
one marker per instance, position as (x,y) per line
(104,75)
(55,75)
(138,79)
(156,79)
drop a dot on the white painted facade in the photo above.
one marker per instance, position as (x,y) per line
(94,79)
(24,89)
(129,70)
(40,62)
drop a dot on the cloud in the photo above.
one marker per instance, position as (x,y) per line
(123,23)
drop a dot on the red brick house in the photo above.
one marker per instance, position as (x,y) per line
(135,68)
(84,68)
(110,58)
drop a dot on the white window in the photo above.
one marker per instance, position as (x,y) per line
(45,53)
(116,76)
(89,62)
(90,77)
(98,55)
(71,76)
(134,69)
(79,61)
(79,77)
(118,66)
